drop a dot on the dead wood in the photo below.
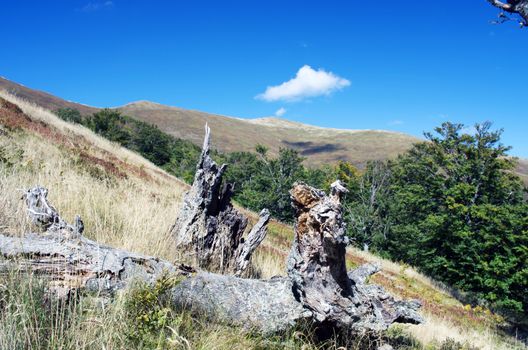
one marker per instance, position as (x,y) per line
(209,226)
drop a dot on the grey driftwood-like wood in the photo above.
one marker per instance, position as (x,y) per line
(317,268)
(317,290)
(519,7)
(209,226)
(254,238)
(72,264)
(45,216)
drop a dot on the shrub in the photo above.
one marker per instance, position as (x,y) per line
(149,313)
(69,115)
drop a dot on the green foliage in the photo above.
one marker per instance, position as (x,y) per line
(265,182)
(110,124)
(453,208)
(177,156)
(149,314)
(69,114)
(367,203)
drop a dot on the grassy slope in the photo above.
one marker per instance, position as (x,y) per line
(42,98)
(522,170)
(127,202)
(319,145)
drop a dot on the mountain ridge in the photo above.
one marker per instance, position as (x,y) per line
(318,144)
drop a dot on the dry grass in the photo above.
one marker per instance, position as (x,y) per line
(133,213)
(129,203)
(320,145)
(446,317)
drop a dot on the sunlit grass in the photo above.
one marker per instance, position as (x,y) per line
(135,212)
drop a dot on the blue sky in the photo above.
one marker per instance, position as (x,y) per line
(345,64)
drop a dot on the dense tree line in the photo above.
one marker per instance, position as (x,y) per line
(177,156)
(452,207)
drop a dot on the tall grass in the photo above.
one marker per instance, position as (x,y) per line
(135,213)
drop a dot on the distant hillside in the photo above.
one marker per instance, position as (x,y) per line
(522,170)
(42,98)
(318,145)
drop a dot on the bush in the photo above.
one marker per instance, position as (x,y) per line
(149,314)
(70,115)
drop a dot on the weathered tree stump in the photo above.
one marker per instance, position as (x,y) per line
(317,268)
(209,226)
(46,216)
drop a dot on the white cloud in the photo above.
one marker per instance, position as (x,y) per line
(307,83)
(280,112)
(95,6)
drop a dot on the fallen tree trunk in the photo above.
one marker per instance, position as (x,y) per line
(209,226)
(317,290)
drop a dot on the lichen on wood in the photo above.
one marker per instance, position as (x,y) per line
(317,268)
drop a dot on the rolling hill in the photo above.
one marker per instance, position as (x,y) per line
(127,202)
(318,145)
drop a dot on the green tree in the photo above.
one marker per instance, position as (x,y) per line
(367,203)
(456,211)
(152,143)
(269,185)
(110,124)
(69,114)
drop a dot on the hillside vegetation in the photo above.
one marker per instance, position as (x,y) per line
(128,202)
(450,206)
(318,145)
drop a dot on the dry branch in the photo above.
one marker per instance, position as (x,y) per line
(46,216)
(519,7)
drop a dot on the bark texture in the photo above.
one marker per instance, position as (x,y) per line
(72,264)
(209,226)
(317,268)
